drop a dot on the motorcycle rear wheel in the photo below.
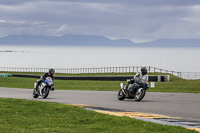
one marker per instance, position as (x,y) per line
(121,95)
(45,92)
(140,96)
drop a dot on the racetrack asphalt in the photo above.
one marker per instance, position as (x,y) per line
(184,105)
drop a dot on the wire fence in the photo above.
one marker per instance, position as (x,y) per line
(127,69)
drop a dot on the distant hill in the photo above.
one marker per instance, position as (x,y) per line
(79,40)
(171,43)
(87,40)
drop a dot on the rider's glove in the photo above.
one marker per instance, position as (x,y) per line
(137,74)
(131,81)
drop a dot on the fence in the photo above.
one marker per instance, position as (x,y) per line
(128,69)
(89,70)
(190,75)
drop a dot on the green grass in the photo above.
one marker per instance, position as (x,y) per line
(176,84)
(16,82)
(188,86)
(35,116)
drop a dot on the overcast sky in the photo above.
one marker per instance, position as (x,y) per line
(138,20)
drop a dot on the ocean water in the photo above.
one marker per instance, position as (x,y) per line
(174,59)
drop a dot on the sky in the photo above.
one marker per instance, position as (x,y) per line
(137,20)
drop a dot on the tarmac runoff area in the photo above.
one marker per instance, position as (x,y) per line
(155,107)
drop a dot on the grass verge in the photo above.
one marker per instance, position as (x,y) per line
(35,116)
(176,84)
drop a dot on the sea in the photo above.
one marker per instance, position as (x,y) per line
(173,59)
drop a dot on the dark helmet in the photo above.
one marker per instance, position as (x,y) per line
(143,70)
(51,71)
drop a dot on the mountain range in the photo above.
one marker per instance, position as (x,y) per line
(87,40)
(79,40)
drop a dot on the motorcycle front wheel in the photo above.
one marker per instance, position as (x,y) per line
(139,96)
(45,92)
(121,95)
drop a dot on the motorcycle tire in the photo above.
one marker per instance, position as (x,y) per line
(45,92)
(140,96)
(121,95)
(35,95)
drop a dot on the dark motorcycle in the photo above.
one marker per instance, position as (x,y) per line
(43,88)
(138,93)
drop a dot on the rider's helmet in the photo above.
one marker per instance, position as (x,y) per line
(143,70)
(51,71)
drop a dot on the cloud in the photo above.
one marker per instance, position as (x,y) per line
(3,21)
(133,19)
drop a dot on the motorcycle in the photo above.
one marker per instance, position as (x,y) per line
(43,88)
(138,93)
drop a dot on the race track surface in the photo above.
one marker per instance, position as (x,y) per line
(184,105)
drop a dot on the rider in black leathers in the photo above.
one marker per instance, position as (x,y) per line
(44,76)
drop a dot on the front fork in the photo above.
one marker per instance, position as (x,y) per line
(122,88)
(123,91)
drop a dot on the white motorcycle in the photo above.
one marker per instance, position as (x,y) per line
(43,88)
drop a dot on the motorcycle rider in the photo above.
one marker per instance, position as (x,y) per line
(44,76)
(140,79)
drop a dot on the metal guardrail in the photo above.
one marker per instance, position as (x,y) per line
(127,69)
(190,75)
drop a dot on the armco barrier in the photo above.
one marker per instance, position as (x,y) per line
(152,78)
(25,76)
